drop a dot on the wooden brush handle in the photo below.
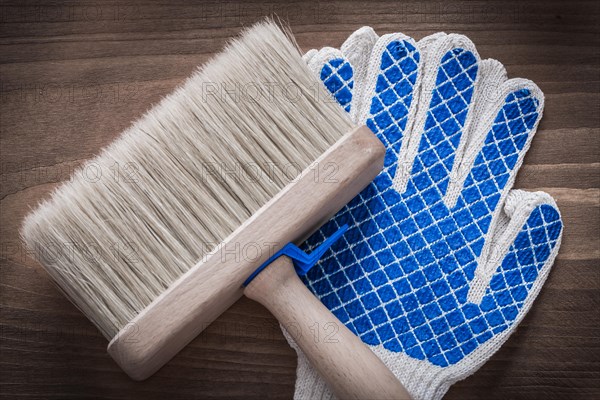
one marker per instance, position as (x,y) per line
(203,293)
(348,366)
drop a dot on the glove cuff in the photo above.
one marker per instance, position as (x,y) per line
(309,385)
(424,381)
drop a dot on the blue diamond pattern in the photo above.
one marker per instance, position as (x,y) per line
(337,75)
(401,275)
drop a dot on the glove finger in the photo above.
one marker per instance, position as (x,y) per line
(504,135)
(336,73)
(309,55)
(425,44)
(492,162)
(449,77)
(388,93)
(357,50)
(525,242)
(492,76)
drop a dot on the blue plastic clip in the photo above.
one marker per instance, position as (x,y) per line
(302,262)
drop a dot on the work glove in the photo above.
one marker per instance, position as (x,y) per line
(442,258)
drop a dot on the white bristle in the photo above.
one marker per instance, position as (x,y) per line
(148,208)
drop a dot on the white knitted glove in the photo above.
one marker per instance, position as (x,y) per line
(442,259)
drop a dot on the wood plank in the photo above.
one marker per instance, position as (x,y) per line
(73,75)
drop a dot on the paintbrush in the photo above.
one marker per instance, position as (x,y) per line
(248,155)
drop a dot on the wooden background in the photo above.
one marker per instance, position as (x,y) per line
(74,74)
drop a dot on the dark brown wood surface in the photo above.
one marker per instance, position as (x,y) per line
(75,74)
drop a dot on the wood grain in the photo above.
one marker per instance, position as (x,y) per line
(73,75)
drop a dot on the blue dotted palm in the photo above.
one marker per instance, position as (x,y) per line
(441,259)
